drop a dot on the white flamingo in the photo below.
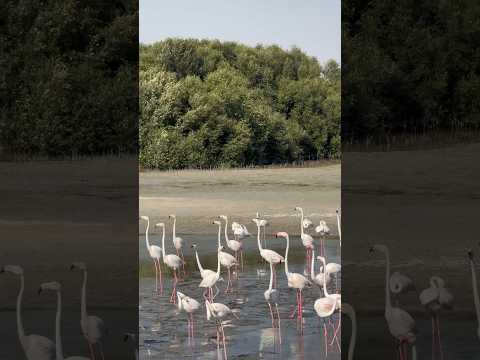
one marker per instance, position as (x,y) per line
(219,312)
(271,296)
(239,230)
(435,298)
(307,240)
(264,224)
(296,281)
(211,278)
(55,286)
(348,310)
(323,230)
(476,298)
(233,244)
(129,337)
(226,260)
(336,297)
(400,283)
(155,253)
(36,347)
(333,269)
(321,277)
(325,307)
(203,272)
(270,256)
(93,328)
(173,262)
(189,305)
(177,241)
(400,323)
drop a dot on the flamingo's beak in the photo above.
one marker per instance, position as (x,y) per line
(39,290)
(371,250)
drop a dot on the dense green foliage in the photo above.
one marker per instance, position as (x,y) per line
(69,77)
(409,67)
(210,103)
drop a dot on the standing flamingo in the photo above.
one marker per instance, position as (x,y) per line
(173,262)
(435,298)
(348,310)
(333,269)
(307,240)
(264,224)
(189,305)
(336,297)
(36,347)
(233,244)
(177,242)
(323,230)
(211,278)
(155,253)
(322,277)
(296,281)
(219,312)
(226,260)
(270,256)
(400,323)
(271,296)
(93,328)
(476,298)
(203,272)
(55,286)
(325,307)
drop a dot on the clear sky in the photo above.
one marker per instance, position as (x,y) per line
(312,25)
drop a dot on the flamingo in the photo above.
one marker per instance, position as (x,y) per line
(177,241)
(189,305)
(155,253)
(132,338)
(36,347)
(321,277)
(93,328)
(325,307)
(333,268)
(219,312)
(335,297)
(400,324)
(271,296)
(348,310)
(240,231)
(211,278)
(264,224)
(203,272)
(400,283)
(307,240)
(295,280)
(226,260)
(55,286)
(476,298)
(270,256)
(233,244)
(323,230)
(435,298)
(172,261)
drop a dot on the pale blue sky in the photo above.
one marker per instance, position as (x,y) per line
(312,25)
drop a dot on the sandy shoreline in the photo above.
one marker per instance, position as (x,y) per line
(199,196)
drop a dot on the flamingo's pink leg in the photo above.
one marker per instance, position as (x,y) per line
(279,325)
(160,277)
(241,257)
(173,297)
(325,337)
(183,262)
(274,276)
(439,339)
(156,276)
(336,331)
(271,314)
(223,337)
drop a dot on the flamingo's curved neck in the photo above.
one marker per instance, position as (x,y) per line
(476,298)
(301,221)
(339,227)
(286,256)
(174,224)
(219,232)
(258,238)
(198,261)
(163,243)
(218,251)
(325,278)
(388,303)
(209,314)
(226,230)
(21,332)
(58,327)
(146,234)
(270,286)
(312,267)
(84,296)
(353,336)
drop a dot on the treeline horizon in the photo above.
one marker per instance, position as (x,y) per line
(207,103)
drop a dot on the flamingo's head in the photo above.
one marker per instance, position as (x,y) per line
(193,246)
(78,265)
(321,258)
(223,217)
(12,269)
(160,225)
(256,221)
(337,211)
(297,208)
(52,286)
(143,217)
(470,254)
(282,234)
(172,216)
(220,248)
(217,223)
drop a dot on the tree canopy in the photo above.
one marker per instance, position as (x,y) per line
(207,103)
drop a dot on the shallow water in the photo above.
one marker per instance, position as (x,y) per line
(163,330)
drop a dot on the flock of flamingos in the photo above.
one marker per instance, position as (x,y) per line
(325,306)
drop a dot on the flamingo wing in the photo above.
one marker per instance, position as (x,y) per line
(96,328)
(39,347)
(272,256)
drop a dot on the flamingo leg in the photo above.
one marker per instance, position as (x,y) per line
(336,331)
(229,281)
(183,262)
(156,276)
(301,312)
(173,297)
(271,314)
(433,338)
(278,323)
(160,276)
(241,258)
(439,340)
(223,339)
(92,352)
(325,337)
